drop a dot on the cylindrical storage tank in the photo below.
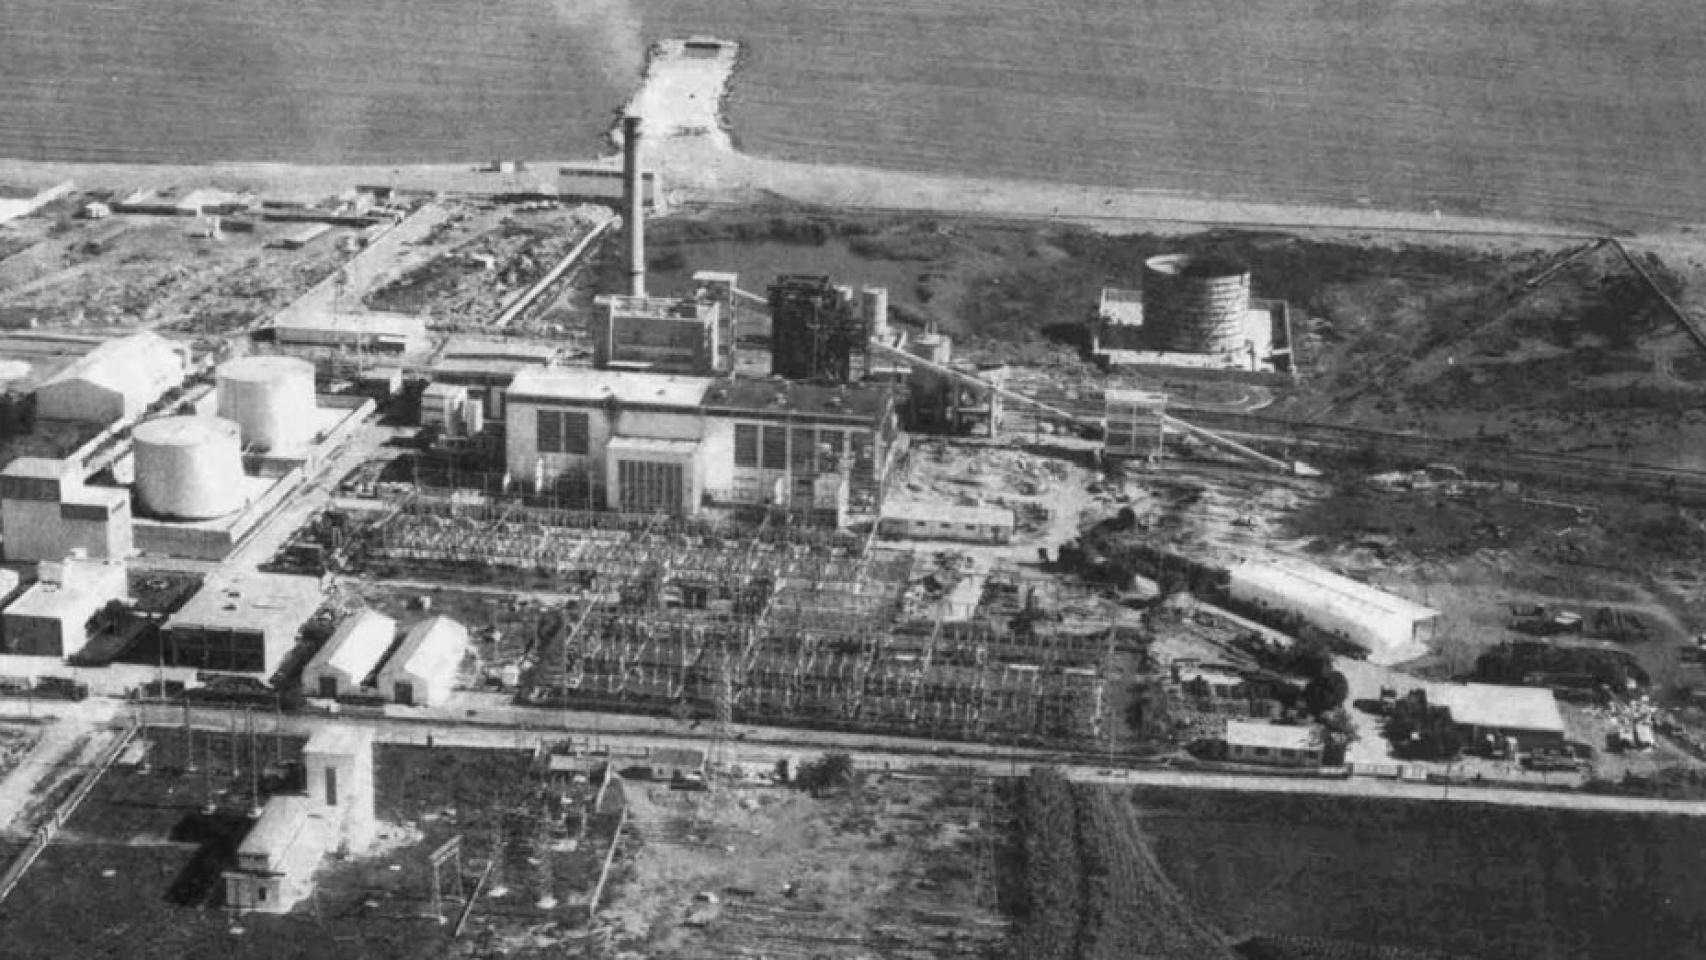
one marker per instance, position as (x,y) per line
(271,399)
(1195,305)
(188,468)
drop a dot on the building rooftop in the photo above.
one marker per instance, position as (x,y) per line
(339,740)
(41,468)
(1493,705)
(777,397)
(368,323)
(465,354)
(588,385)
(1303,580)
(358,645)
(141,366)
(432,647)
(1272,735)
(269,602)
(678,757)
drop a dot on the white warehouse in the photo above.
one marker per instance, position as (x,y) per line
(1390,627)
(118,380)
(423,670)
(342,666)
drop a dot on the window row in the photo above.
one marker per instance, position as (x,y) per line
(564,431)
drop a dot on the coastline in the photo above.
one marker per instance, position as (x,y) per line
(682,97)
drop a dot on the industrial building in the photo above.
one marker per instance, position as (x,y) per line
(660,335)
(1498,717)
(1273,744)
(423,671)
(51,617)
(1195,317)
(946,521)
(365,332)
(1134,420)
(949,396)
(345,663)
(118,380)
(1390,627)
(241,623)
(654,443)
(279,855)
(817,331)
(484,369)
(47,513)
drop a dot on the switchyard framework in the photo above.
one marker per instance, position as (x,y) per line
(774,624)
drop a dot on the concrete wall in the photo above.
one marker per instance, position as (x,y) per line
(44,530)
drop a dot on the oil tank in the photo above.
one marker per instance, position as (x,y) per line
(271,399)
(188,468)
(1195,304)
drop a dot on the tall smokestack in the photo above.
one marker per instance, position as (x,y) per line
(634,214)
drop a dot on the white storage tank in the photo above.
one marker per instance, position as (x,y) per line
(271,399)
(189,468)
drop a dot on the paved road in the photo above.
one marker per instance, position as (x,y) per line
(764,746)
(71,740)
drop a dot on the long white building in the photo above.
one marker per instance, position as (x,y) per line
(342,666)
(117,380)
(1392,628)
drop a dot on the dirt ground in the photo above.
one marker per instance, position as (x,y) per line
(771,871)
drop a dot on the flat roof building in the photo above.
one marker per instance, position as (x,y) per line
(46,513)
(51,617)
(1271,743)
(946,521)
(1487,711)
(688,439)
(660,335)
(375,332)
(245,623)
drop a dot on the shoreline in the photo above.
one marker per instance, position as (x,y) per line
(681,96)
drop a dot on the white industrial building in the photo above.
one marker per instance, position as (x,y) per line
(1494,714)
(241,623)
(118,380)
(423,670)
(1249,741)
(342,666)
(47,513)
(654,443)
(51,617)
(277,859)
(1390,627)
(368,332)
(946,521)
